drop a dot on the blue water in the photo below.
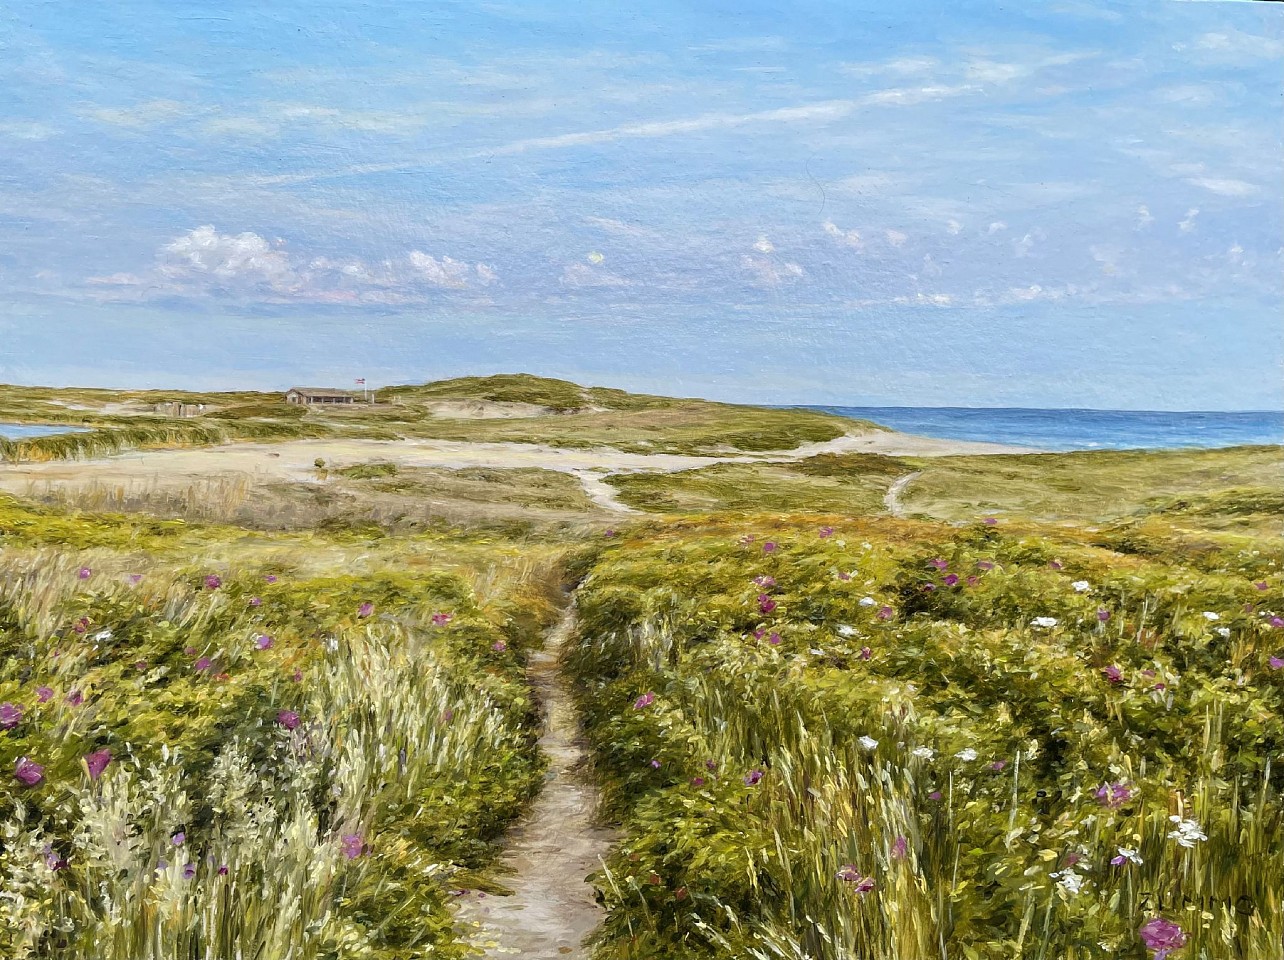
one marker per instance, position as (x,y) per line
(20,431)
(1077,429)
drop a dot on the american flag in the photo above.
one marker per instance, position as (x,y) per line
(361,380)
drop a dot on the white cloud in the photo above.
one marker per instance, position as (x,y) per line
(1187,225)
(1226,186)
(27,130)
(1236,44)
(768,272)
(139,115)
(763,245)
(584,275)
(1022,247)
(244,258)
(446,272)
(996,227)
(848,238)
(1144,219)
(896,238)
(953,228)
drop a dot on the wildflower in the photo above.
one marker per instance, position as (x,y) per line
(826,531)
(816,652)
(1103,615)
(135,579)
(1277,663)
(850,874)
(655,764)
(1081,586)
(255,602)
(711,765)
(1114,795)
(929,587)
(1223,632)
(868,742)
(899,848)
(1262,586)
(353,845)
(28,772)
(222,870)
(96,763)
(644,701)
(140,665)
(270,578)
(499,646)
(1126,855)
(52,860)
(998,765)
(1069,881)
(844,630)
(865,653)
(765,603)
(1187,833)
(697,781)
(752,778)
(950,580)
(990,521)
(178,839)
(10,716)
(774,639)
(765,581)
(189,871)
(1113,674)
(297,676)
(203,664)
(102,636)
(934,795)
(1045,622)
(609,533)
(44,694)
(973,581)
(985,565)
(75,698)
(264,642)
(1162,937)
(288,719)
(1277,622)
(939,563)
(85,573)
(923,753)
(81,626)
(867,602)
(1054,564)
(213,582)
(769,547)
(967,755)
(885,613)
(1211,617)
(365,609)
(844,576)
(441,619)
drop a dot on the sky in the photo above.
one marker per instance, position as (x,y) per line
(1071,203)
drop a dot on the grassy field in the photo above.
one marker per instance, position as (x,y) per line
(290,719)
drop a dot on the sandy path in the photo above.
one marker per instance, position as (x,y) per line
(555,848)
(892,499)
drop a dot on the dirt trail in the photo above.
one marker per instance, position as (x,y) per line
(555,848)
(892,499)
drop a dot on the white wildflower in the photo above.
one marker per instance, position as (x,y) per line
(816,652)
(102,636)
(1210,616)
(1187,833)
(867,601)
(1127,853)
(1081,586)
(1069,881)
(868,742)
(1223,631)
(1046,622)
(923,753)
(846,631)
(967,755)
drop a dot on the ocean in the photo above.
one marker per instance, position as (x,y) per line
(21,431)
(1077,429)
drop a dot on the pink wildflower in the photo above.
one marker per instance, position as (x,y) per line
(1162,937)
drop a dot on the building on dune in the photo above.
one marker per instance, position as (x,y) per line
(316,395)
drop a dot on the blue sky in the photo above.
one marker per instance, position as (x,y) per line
(1067,203)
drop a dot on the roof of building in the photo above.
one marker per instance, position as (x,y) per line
(319,392)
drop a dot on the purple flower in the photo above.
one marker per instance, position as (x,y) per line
(255,602)
(752,778)
(866,653)
(297,676)
(934,795)
(765,603)
(1277,663)
(764,581)
(1263,585)
(213,582)
(75,698)
(353,845)
(860,884)
(644,701)
(28,772)
(774,639)
(998,765)
(697,781)
(96,763)
(609,533)
(899,848)
(769,547)
(499,646)
(44,694)
(178,839)
(1054,564)
(1277,621)
(202,664)
(270,578)
(365,609)
(189,871)
(1114,795)
(950,580)
(222,870)
(940,563)
(985,565)
(264,642)
(990,521)
(52,860)
(81,626)
(826,531)
(973,581)
(929,587)
(655,764)
(135,579)
(85,573)
(288,719)
(1162,937)
(1103,614)
(441,619)
(885,613)
(140,664)
(1113,674)
(10,716)
(844,576)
